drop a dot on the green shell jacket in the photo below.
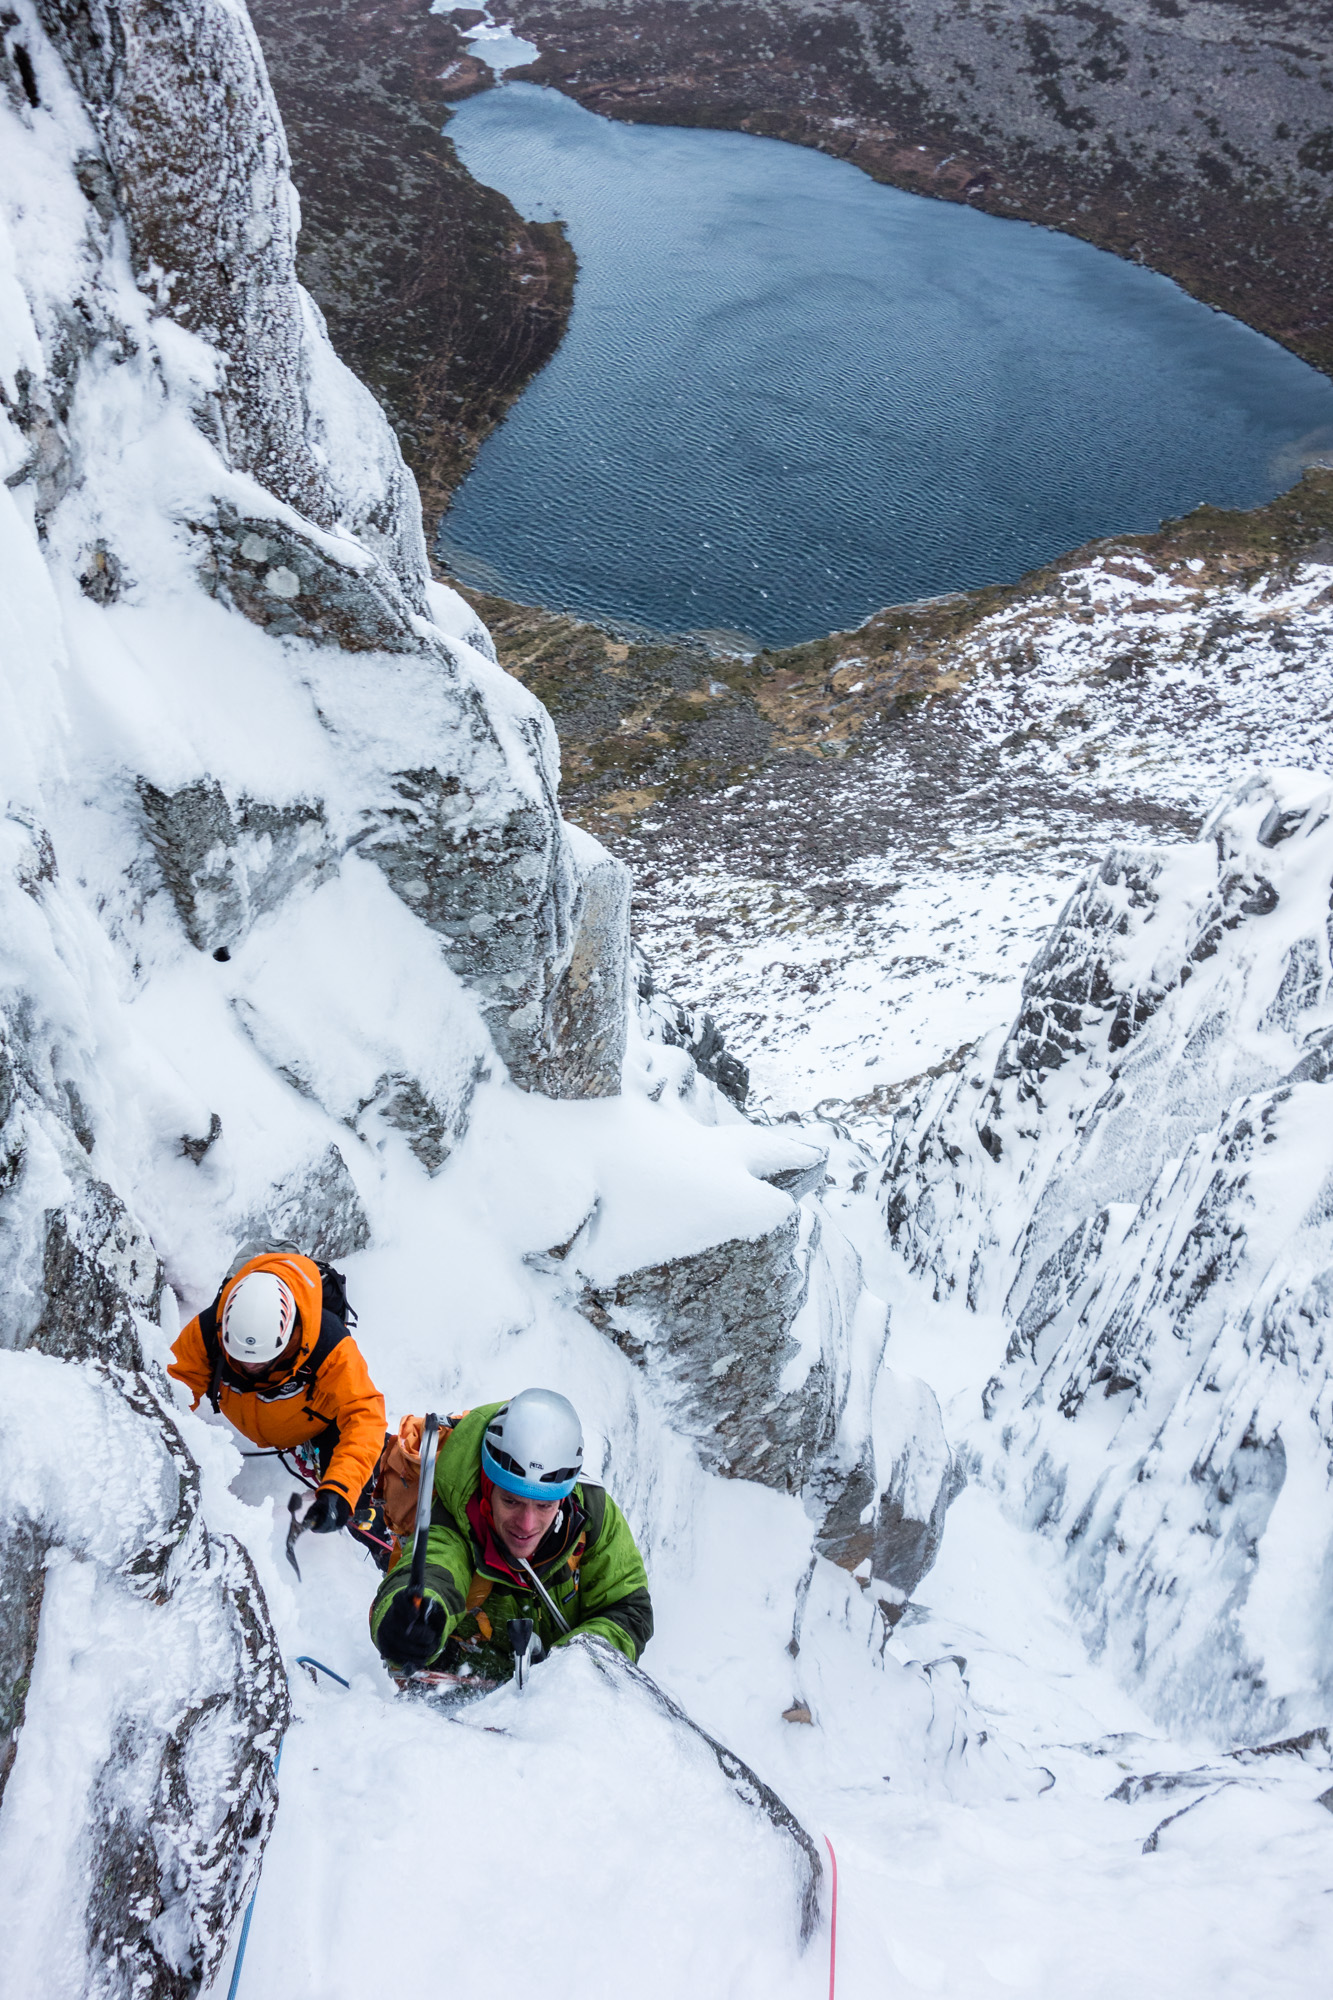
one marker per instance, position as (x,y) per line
(589,1563)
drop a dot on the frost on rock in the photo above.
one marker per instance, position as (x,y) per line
(118,1604)
(140,1688)
(765,1350)
(227,864)
(212,219)
(1145,1180)
(283,879)
(317,1207)
(177,424)
(715,1330)
(886,1518)
(662,1019)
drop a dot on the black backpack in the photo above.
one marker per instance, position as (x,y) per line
(335,1305)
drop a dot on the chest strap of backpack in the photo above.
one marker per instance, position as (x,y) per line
(208,1327)
(332,1333)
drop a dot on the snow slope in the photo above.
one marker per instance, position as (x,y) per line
(293,940)
(292,929)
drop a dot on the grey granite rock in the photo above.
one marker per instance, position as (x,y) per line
(227,863)
(317,1208)
(432,1126)
(181,1797)
(206,197)
(589,1009)
(533,917)
(23,1547)
(99,1274)
(103,576)
(284,581)
(1142,1186)
(802,1178)
(663,1019)
(886,1520)
(715,1332)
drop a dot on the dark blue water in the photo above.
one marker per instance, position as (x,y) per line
(789,396)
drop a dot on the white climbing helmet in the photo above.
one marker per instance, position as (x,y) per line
(258,1318)
(534,1446)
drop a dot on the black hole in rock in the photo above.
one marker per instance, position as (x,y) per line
(222,954)
(27,75)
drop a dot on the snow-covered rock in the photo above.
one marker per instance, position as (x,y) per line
(178,431)
(282,879)
(293,942)
(139,1665)
(1141,1175)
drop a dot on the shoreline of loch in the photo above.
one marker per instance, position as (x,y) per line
(1193,138)
(653,722)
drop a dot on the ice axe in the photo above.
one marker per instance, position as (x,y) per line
(526,1648)
(430,1444)
(297,1507)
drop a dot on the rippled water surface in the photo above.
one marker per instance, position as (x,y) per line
(789,396)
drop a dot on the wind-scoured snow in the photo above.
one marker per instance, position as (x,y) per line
(293,941)
(852,926)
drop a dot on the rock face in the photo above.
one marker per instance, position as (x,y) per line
(589,1009)
(467,828)
(281,869)
(318,1208)
(1140,1175)
(282,580)
(435,290)
(716,1331)
(1172,134)
(150,1624)
(694,1030)
(886,1519)
(155,1632)
(766,1351)
(226,865)
(209,207)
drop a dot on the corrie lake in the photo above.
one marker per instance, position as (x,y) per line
(789,396)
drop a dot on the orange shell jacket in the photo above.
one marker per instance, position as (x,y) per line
(292,1405)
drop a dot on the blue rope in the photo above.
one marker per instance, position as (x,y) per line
(250,1910)
(304,1660)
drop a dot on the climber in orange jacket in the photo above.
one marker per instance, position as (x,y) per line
(287,1372)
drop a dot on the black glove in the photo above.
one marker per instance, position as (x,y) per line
(329,1511)
(409,1636)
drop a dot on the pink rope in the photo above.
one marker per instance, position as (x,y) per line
(833,1927)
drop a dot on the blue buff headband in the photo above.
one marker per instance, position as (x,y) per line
(524,1489)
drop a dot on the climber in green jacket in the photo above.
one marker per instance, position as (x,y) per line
(510,1501)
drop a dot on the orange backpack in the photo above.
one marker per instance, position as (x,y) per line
(400,1471)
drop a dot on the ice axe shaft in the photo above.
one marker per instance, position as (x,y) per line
(430,1444)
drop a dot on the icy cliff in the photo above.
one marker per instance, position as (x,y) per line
(1139,1174)
(294,939)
